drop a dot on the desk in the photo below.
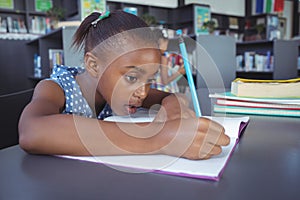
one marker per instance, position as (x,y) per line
(265,165)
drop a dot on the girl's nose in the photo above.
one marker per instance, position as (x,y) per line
(142,91)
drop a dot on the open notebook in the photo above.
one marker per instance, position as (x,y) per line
(211,169)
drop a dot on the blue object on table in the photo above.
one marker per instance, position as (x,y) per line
(189,74)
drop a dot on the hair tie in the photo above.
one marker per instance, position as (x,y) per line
(102,16)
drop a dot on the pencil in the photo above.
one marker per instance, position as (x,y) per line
(189,74)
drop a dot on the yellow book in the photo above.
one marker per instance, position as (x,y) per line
(289,88)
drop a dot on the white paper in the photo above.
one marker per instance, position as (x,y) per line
(207,169)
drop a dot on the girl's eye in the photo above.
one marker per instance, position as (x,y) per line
(151,80)
(131,79)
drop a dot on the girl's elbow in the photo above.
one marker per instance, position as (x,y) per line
(28,140)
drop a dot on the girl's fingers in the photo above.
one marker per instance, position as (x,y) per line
(217,138)
(209,149)
(223,140)
(215,150)
(215,133)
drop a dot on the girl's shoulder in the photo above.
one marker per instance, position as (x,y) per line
(64,76)
(59,70)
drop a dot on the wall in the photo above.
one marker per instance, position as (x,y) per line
(160,3)
(230,7)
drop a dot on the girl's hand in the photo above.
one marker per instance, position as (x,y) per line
(174,106)
(186,135)
(194,138)
(181,70)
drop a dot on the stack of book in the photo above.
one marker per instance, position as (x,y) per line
(260,97)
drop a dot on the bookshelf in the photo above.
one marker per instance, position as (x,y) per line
(225,24)
(194,16)
(267,59)
(13,20)
(262,27)
(229,24)
(171,18)
(183,17)
(23,17)
(17,65)
(58,39)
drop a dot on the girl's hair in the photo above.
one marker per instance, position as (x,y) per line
(89,36)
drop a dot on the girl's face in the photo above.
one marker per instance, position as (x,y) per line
(126,82)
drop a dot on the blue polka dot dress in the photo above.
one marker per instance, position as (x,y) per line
(75,103)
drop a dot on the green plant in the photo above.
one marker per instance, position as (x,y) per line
(260,28)
(149,19)
(56,13)
(210,25)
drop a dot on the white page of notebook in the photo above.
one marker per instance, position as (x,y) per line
(207,169)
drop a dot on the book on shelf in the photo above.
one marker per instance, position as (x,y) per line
(211,169)
(229,103)
(37,66)
(3,25)
(9,25)
(266,88)
(233,23)
(56,57)
(38,25)
(249,60)
(12,25)
(253,61)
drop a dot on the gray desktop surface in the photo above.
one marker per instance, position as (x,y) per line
(264,165)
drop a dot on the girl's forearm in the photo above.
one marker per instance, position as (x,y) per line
(74,135)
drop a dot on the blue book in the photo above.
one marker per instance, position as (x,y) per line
(256,111)
(259,6)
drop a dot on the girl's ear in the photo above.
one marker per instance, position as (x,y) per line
(91,65)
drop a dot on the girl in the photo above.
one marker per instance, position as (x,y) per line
(166,79)
(121,59)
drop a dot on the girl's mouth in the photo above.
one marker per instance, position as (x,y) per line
(131,109)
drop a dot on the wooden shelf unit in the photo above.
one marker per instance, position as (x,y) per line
(284,53)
